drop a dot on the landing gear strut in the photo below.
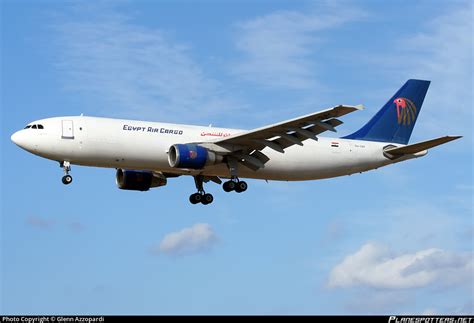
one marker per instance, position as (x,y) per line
(234,184)
(201,196)
(67,179)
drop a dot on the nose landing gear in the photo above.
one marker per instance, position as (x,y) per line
(67,179)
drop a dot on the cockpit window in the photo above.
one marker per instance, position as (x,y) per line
(34,126)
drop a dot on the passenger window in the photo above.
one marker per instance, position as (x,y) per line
(34,127)
(40,126)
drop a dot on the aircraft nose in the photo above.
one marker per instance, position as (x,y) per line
(16,138)
(20,138)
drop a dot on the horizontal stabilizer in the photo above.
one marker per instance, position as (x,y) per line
(420,146)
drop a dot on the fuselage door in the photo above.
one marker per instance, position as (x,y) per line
(68,129)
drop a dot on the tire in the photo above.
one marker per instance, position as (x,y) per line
(207,199)
(241,187)
(67,179)
(195,198)
(229,186)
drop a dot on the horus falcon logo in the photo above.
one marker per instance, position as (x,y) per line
(192,154)
(406,111)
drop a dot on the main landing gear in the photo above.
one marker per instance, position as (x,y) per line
(235,185)
(201,196)
(67,179)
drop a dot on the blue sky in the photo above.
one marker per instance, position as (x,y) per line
(395,240)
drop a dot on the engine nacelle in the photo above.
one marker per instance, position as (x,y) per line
(138,180)
(191,156)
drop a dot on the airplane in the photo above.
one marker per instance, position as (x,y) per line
(146,154)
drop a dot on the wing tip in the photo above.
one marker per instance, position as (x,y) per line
(453,137)
(354,107)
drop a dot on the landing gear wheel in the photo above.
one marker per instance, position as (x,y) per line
(241,187)
(207,199)
(201,196)
(229,186)
(67,179)
(195,198)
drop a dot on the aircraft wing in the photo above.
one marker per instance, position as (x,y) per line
(246,146)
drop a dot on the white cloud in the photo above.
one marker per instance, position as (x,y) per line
(135,70)
(375,266)
(200,237)
(277,47)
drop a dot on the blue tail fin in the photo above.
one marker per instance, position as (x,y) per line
(395,121)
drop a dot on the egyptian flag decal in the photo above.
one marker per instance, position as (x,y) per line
(334,144)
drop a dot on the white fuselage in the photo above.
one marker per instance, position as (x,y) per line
(142,145)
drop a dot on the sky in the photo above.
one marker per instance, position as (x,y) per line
(398,240)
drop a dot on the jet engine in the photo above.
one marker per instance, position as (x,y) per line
(191,156)
(138,180)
